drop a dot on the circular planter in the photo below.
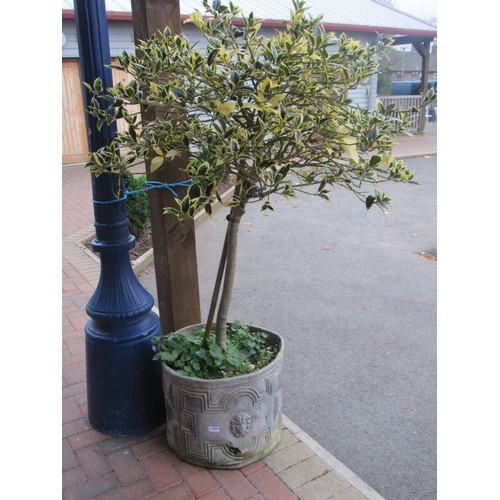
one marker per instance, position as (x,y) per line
(225,423)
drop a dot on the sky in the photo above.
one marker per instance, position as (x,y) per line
(424,9)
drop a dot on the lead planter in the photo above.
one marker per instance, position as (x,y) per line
(225,423)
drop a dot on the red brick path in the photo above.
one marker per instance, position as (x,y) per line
(118,468)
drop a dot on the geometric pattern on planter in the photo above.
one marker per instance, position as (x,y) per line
(225,423)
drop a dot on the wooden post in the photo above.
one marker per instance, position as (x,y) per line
(422,46)
(174,243)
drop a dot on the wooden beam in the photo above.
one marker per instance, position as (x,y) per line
(174,243)
(411,39)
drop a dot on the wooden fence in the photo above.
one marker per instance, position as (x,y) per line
(405,102)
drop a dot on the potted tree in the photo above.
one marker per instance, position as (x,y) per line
(274,113)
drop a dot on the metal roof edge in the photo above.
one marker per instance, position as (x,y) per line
(406,14)
(273,23)
(379,29)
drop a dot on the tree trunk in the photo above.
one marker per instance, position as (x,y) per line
(215,295)
(227,291)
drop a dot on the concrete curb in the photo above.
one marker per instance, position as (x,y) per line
(414,155)
(330,460)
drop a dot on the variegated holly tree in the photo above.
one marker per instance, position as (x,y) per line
(273,112)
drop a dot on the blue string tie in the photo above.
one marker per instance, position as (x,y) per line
(150,185)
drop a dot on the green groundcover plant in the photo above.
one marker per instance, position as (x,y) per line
(137,205)
(245,352)
(273,112)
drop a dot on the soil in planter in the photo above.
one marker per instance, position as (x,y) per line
(247,351)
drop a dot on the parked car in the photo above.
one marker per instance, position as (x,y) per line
(411,87)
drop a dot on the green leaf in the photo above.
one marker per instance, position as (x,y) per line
(203,169)
(235,78)
(131,131)
(276,99)
(251,105)
(172,211)
(169,355)
(349,146)
(194,191)
(216,351)
(226,108)
(282,111)
(178,92)
(369,201)
(117,187)
(98,85)
(375,160)
(284,170)
(211,57)
(157,162)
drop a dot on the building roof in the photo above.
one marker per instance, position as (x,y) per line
(348,15)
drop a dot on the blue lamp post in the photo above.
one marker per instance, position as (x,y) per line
(124,384)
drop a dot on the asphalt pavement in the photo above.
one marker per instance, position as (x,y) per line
(354,296)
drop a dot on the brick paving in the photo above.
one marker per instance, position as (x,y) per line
(95,465)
